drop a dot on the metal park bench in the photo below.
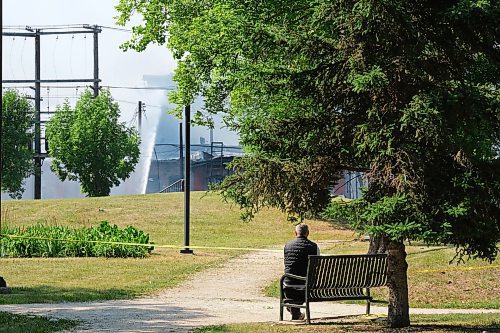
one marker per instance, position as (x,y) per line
(338,277)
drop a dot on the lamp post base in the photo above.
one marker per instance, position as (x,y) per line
(186,251)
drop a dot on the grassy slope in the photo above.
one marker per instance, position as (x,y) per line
(213,223)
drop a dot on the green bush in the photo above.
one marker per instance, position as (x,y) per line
(58,241)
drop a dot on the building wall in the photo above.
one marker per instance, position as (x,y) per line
(350,185)
(163,173)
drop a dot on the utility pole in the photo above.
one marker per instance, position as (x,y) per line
(139,117)
(187,178)
(96,60)
(38,156)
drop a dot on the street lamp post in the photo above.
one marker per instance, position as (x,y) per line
(187,178)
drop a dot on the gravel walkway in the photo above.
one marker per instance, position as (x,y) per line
(227,294)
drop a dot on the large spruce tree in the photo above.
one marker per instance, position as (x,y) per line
(406,91)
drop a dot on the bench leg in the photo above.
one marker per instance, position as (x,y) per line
(368,301)
(308,314)
(281,301)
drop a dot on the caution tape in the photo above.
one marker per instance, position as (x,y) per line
(168,246)
(373,316)
(470,268)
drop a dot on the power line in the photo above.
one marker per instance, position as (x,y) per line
(131,102)
(10,57)
(46,26)
(22,56)
(141,88)
(116,28)
(50,96)
(61,26)
(167,88)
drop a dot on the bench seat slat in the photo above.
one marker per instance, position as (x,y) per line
(345,271)
(323,294)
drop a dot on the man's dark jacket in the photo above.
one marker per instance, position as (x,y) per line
(296,257)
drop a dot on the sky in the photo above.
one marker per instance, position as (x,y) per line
(71,56)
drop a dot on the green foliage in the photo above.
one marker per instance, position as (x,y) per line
(17,138)
(263,177)
(394,217)
(48,241)
(405,91)
(375,77)
(90,145)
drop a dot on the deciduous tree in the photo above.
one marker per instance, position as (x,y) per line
(17,138)
(88,144)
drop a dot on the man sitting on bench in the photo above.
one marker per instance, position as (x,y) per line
(296,258)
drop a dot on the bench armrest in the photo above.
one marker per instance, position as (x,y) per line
(282,280)
(297,277)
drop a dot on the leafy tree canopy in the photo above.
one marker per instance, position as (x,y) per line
(17,138)
(88,144)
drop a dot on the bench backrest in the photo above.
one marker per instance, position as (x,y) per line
(347,271)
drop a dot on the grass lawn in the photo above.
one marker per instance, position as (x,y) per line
(213,223)
(12,323)
(420,323)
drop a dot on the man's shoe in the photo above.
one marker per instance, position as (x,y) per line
(300,316)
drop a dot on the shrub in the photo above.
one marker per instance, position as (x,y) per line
(59,241)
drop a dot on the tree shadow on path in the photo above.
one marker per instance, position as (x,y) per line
(119,316)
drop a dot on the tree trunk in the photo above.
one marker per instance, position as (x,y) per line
(397,282)
(378,244)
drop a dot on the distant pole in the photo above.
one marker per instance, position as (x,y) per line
(187,177)
(139,117)
(181,156)
(38,149)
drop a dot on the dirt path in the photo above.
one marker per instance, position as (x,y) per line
(227,294)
